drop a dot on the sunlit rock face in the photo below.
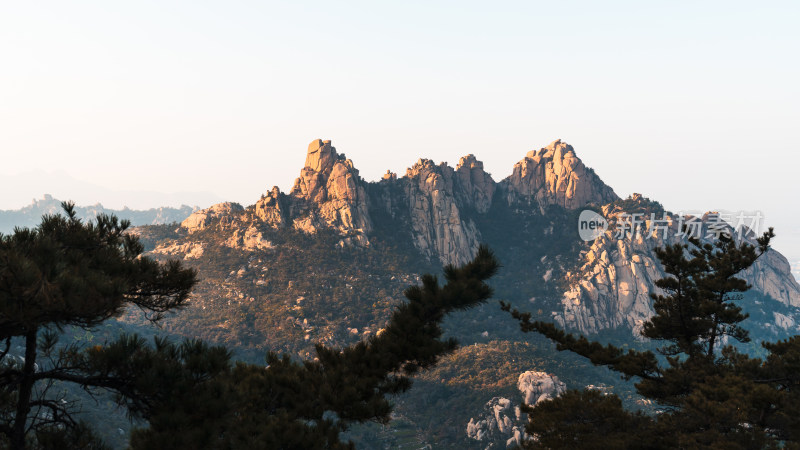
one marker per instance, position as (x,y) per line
(441,199)
(438,226)
(329,193)
(250,239)
(537,387)
(555,176)
(475,186)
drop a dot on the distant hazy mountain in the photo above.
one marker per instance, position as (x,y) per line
(31,215)
(18,189)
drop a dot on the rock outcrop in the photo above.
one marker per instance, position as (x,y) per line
(537,387)
(499,418)
(250,239)
(504,421)
(187,250)
(222,213)
(270,209)
(768,276)
(555,176)
(330,193)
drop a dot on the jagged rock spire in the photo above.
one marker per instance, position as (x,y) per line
(477,186)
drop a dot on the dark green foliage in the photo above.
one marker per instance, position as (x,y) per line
(77,437)
(590,420)
(637,204)
(67,273)
(713,396)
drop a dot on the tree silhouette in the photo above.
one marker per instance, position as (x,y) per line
(67,273)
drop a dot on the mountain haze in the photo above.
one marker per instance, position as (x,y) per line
(29,216)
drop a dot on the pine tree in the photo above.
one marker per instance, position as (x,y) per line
(713,396)
(67,273)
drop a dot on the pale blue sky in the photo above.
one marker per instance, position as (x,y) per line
(695,104)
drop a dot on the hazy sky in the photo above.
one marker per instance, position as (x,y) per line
(695,104)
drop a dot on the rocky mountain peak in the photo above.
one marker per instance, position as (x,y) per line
(422,165)
(442,210)
(435,197)
(329,193)
(327,175)
(554,175)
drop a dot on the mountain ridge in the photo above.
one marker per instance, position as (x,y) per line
(441,206)
(329,193)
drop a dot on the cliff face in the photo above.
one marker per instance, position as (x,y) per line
(437,224)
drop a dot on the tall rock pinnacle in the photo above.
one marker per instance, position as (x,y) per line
(330,193)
